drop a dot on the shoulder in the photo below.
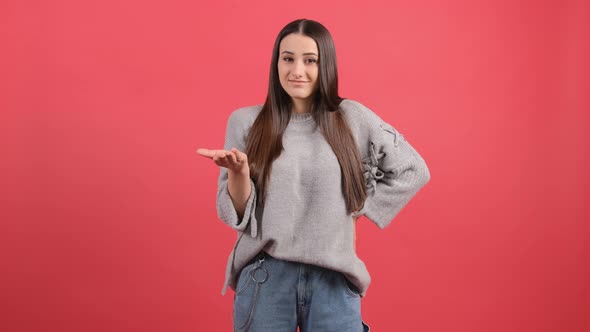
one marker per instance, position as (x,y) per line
(358,114)
(243,117)
(368,125)
(238,126)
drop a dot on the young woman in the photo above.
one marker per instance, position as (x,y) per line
(296,173)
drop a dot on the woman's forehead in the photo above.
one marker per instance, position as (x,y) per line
(298,44)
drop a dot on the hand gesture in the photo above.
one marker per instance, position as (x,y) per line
(234,160)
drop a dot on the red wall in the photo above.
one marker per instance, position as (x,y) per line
(108,219)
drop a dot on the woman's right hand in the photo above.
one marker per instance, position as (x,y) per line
(238,175)
(234,160)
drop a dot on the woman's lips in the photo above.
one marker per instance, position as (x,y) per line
(298,82)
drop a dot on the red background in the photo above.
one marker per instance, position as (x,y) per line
(108,219)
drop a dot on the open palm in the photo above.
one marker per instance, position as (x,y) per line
(234,159)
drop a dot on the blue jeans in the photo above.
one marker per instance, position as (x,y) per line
(274,295)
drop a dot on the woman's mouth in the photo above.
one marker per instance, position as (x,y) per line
(298,82)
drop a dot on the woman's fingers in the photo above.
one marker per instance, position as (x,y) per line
(212,153)
(221,156)
(233,158)
(241,156)
(206,153)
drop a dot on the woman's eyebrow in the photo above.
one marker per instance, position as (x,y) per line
(308,53)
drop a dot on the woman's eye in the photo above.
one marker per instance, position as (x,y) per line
(287,59)
(312,60)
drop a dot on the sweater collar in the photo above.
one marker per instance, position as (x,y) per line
(296,117)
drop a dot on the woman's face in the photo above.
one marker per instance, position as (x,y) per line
(298,66)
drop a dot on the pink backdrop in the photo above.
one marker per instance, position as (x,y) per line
(108,219)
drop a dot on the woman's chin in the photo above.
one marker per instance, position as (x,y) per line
(299,95)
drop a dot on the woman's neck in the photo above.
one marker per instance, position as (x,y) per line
(300,106)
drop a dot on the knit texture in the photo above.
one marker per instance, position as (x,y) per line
(304,217)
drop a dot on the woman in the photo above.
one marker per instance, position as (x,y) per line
(295,175)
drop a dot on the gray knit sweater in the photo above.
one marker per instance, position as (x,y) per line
(304,217)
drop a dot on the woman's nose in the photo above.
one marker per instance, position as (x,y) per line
(299,68)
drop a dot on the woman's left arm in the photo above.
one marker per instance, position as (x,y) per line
(394,172)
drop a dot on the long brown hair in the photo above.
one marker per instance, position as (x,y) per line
(264,143)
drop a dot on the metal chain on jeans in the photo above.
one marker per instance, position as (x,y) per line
(246,325)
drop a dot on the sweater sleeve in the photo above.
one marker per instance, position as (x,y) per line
(393,170)
(235,136)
